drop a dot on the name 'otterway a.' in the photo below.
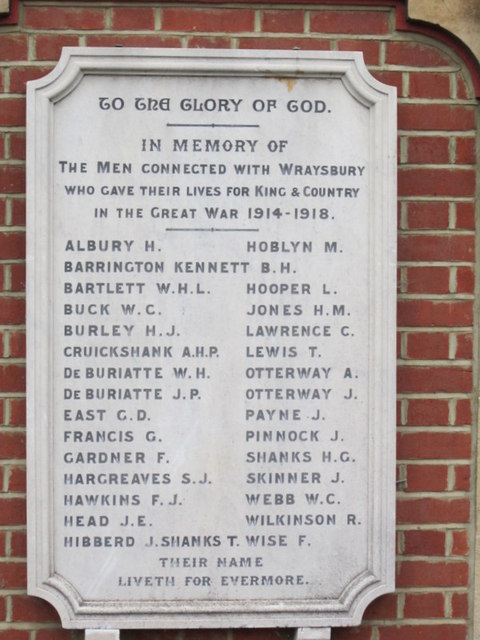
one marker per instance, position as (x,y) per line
(215,365)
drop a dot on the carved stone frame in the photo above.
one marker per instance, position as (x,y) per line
(378,577)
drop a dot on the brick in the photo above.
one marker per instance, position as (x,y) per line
(13,575)
(465,280)
(133,18)
(14,634)
(19,76)
(18,211)
(49,46)
(383,608)
(427,412)
(426,477)
(17,146)
(12,179)
(3,209)
(432,313)
(424,632)
(18,544)
(12,445)
(424,605)
(353,633)
(208,42)
(17,412)
(17,480)
(429,445)
(17,277)
(399,411)
(17,344)
(428,279)
(56,634)
(427,215)
(3,333)
(442,117)
(460,546)
(460,607)
(282,21)
(3,544)
(432,510)
(12,310)
(31,609)
(436,247)
(207,20)
(463,412)
(12,112)
(13,47)
(220,634)
(463,92)
(3,478)
(12,378)
(399,344)
(420,181)
(369,48)
(428,346)
(162,635)
(284,43)
(465,214)
(56,18)
(413,54)
(429,85)
(464,346)
(393,78)
(414,379)
(424,543)
(139,40)
(466,151)
(4,270)
(422,573)
(13,511)
(462,478)
(216,634)
(3,150)
(351,22)
(3,608)
(12,245)
(428,150)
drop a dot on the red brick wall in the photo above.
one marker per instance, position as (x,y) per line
(436,279)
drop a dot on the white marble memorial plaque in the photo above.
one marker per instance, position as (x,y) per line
(211,253)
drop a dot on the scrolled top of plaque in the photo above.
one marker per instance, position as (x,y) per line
(75,62)
(211,397)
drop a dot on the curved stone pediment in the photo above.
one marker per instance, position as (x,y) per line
(460,17)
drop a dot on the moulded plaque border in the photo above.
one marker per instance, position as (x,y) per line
(378,576)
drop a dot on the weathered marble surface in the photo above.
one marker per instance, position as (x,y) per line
(211,442)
